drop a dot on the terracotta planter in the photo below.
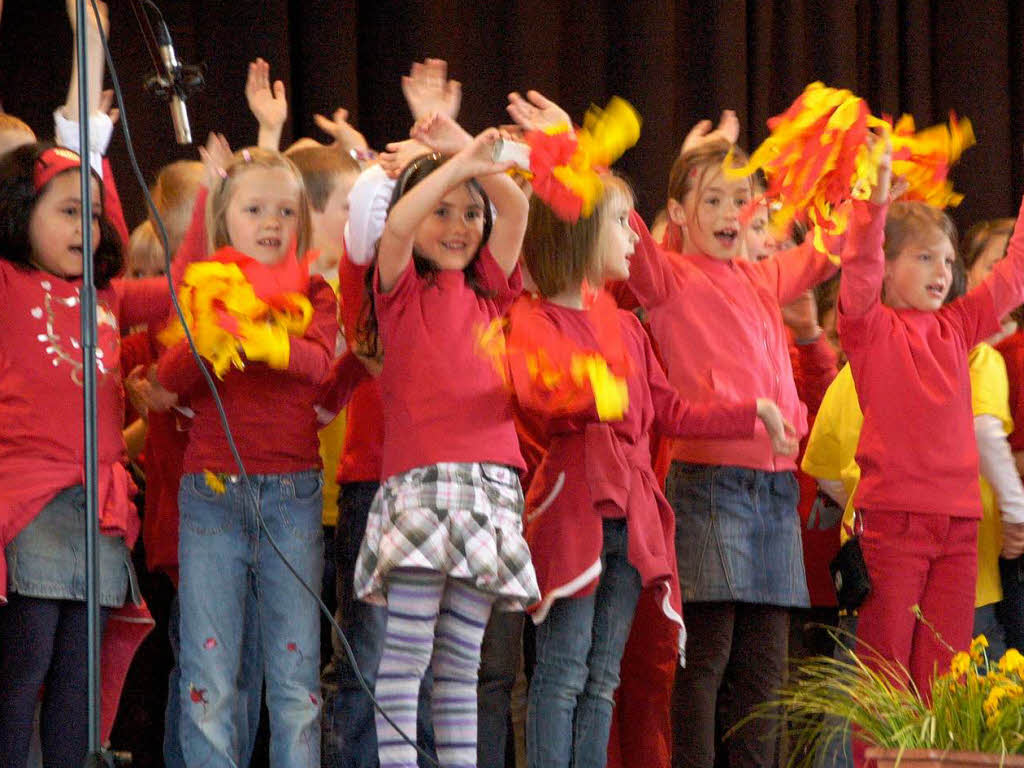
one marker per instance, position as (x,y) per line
(933,758)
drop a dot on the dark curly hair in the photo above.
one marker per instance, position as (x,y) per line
(367,331)
(18,198)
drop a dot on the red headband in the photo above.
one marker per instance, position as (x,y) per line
(53,161)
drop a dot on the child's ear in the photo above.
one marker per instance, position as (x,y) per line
(676,214)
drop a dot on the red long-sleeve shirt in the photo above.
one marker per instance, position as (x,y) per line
(720,331)
(917,450)
(270,411)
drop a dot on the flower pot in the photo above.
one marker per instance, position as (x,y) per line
(934,758)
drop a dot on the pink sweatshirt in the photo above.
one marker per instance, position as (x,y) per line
(720,331)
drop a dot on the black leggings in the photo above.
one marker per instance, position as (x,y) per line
(44,642)
(735,659)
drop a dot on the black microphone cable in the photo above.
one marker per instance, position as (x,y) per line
(216,396)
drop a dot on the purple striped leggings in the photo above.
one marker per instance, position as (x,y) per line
(439,621)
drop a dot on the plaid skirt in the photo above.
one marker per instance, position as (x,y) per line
(464,520)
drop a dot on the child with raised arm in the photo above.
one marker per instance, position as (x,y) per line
(231,579)
(444,541)
(918,493)
(717,320)
(42,504)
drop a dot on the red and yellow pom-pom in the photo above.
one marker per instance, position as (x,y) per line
(228,317)
(552,373)
(566,168)
(818,157)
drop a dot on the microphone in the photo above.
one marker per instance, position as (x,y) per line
(173,82)
(176,93)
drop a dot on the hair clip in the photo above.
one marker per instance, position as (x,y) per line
(246,156)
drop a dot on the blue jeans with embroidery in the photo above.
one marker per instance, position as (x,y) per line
(579,649)
(250,685)
(222,551)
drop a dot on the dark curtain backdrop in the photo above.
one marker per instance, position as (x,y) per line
(675,61)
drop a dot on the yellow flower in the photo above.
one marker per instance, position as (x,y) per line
(959,665)
(978,646)
(1012,662)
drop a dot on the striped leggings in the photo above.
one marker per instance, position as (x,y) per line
(438,621)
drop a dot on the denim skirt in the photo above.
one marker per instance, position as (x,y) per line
(47,558)
(737,535)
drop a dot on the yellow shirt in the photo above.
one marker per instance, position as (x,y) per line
(332,438)
(832,448)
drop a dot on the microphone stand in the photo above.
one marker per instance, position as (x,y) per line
(96,756)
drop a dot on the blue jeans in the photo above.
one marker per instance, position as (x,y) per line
(222,552)
(250,683)
(349,731)
(579,649)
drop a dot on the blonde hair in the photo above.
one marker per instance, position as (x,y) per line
(220,196)
(144,250)
(560,254)
(9,122)
(320,167)
(174,195)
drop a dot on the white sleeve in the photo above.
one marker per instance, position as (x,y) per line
(834,489)
(101,128)
(998,467)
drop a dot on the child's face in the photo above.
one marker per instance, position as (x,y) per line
(921,274)
(987,259)
(55,227)
(451,233)
(757,236)
(329,224)
(712,210)
(616,240)
(262,216)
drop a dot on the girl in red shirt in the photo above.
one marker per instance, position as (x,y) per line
(918,492)
(717,322)
(42,501)
(443,539)
(258,219)
(598,526)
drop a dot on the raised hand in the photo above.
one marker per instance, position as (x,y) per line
(216,156)
(728,129)
(268,106)
(780,431)
(537,112)
(441,133)
(477,157)
(399,154)
(346,137)
(427,89)
(883,183)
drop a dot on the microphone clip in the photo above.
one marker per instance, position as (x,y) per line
(185,81)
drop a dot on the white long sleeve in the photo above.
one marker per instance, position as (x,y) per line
(101,128)
(998,467)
